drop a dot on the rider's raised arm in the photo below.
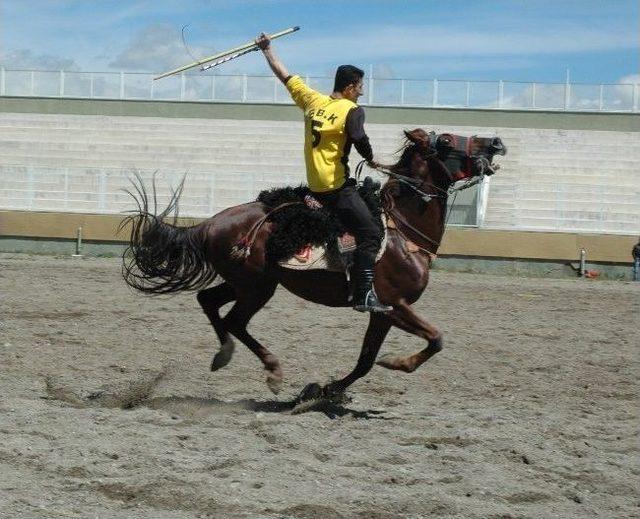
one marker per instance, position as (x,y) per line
(301,94)
(264,43)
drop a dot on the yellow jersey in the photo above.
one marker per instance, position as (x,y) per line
(326,143)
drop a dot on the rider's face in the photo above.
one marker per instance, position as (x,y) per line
(354,91)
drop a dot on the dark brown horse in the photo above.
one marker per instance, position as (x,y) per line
(164,257)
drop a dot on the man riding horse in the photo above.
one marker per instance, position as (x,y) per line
(232,245)
(332,125)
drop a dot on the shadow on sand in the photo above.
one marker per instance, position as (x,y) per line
(193,407)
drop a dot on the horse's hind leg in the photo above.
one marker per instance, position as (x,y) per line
(211,300)
(406,319)
(248,304)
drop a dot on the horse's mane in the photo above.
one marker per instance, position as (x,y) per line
(406,151)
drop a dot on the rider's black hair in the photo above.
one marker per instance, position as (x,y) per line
(347,75)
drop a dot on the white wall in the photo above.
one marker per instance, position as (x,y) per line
(550,180)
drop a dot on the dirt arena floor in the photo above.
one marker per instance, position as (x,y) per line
(108,408)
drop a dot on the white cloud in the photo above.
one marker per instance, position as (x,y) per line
(156,48)
(624,91)
(630,79)
(26,59)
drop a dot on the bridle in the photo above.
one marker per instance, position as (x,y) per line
(417,187)
(412,183)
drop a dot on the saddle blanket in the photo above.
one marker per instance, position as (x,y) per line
(317,257)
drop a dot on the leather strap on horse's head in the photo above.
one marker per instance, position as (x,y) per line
(466,157)
(455,153)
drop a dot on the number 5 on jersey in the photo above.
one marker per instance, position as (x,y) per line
(315,133)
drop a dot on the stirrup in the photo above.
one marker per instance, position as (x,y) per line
(370,303)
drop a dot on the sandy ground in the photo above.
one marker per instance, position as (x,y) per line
(108,409)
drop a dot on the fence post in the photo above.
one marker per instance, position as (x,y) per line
(2,81)
(482,197)
(601,98)
(32,87)
(402,92)
(61,83)
(434,101)
(91,85)
(468,96)
(533,95)
(500,93)
(567,95)
(121,84)
(634,95)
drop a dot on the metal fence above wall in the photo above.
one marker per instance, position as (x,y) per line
(267,89)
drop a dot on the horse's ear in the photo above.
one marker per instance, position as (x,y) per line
(418,136)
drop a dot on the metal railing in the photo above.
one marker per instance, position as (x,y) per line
(621,97)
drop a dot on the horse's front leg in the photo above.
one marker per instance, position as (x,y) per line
(377,330)
(406,319)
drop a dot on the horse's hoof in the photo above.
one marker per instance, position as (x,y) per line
(310,392)
(339,398)
(274,383)
(314,397)
(393,362)
(305,406)
(224,356)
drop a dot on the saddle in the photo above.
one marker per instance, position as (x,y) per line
(307,236)
(338,258)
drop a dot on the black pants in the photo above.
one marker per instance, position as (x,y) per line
(354,214)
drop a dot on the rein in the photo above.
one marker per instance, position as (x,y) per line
(242,249)
(412,183)
(415,185)
(388,207)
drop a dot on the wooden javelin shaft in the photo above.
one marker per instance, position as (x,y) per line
(246,46)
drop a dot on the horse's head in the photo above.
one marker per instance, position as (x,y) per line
(466,157)
(446,158)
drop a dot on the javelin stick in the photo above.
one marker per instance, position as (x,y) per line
(238,51)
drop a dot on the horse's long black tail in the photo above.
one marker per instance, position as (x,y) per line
(163,257)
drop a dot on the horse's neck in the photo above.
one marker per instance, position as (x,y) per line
(428,219)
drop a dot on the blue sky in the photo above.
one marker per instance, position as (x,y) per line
(533,40)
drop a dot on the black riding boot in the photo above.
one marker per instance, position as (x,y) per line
(364,296)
